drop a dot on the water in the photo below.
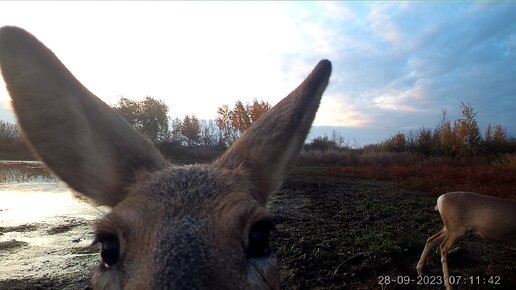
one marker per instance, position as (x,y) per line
(44,228)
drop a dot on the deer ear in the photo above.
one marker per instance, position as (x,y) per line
(270,145)
(78,136)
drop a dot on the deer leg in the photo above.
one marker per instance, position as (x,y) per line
(431,242)
(445,247)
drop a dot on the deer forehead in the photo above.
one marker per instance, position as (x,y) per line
(185,202)
(186,223)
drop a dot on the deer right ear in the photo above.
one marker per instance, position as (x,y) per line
(78,136)
(269,146)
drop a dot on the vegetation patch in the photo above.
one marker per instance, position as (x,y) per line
(494,180)
(68,226)
(84,250)
(20,228)
(12,244)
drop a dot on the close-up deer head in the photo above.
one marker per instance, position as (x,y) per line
(170,227)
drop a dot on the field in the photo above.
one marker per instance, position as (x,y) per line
(333,231)
(348,233)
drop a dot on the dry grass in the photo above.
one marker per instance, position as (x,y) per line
(492,175)
(494,180)
(17,172)
(354,157)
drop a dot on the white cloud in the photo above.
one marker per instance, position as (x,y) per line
(340,110)
(320,39)
(334,10)
(382,24)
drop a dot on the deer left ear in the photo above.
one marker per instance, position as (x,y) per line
(79,137)
(271,144)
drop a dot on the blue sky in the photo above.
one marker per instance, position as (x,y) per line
(397,65)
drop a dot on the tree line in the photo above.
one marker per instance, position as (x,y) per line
(149,117)
(461,138)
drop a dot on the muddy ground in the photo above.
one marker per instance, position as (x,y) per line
(332,233)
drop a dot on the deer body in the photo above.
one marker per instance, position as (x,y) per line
(467,212)
(170,227)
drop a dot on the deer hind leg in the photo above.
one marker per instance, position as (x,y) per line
(431,242)
(445,247)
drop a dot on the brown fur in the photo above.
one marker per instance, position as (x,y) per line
(467,212)
(176,227)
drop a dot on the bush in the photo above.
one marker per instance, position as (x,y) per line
(179,153)
(12,146)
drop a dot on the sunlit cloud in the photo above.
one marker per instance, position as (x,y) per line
(398,97)
(393,102)
(340,110)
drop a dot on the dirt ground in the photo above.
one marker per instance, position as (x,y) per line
(350,233)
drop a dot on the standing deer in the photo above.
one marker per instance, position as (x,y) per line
(170,227)
(465,212)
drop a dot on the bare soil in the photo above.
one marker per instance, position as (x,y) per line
(349,233)
(344,233)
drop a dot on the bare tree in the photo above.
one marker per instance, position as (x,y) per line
(8,131)
(209,133)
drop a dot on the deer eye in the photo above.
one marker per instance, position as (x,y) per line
(259,239)
(110,248)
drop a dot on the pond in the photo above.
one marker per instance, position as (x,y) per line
(44,227)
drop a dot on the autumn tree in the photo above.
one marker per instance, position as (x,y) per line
(447,140)
(396,143)
(149,116)
(227,133)
(191,130)
(500,135)
(467,130)
(232,122)
(459,139)
(497,141)
(244,115)
(425,141)
(488,138)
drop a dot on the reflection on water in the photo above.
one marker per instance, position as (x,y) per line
(42,224)
(39,197)
(33,202)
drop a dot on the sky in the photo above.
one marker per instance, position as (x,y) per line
(396,65)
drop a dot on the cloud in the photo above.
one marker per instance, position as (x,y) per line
(335,11)
(381,22)
(399,100)
(340,110)
(406,62)
(395,65)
